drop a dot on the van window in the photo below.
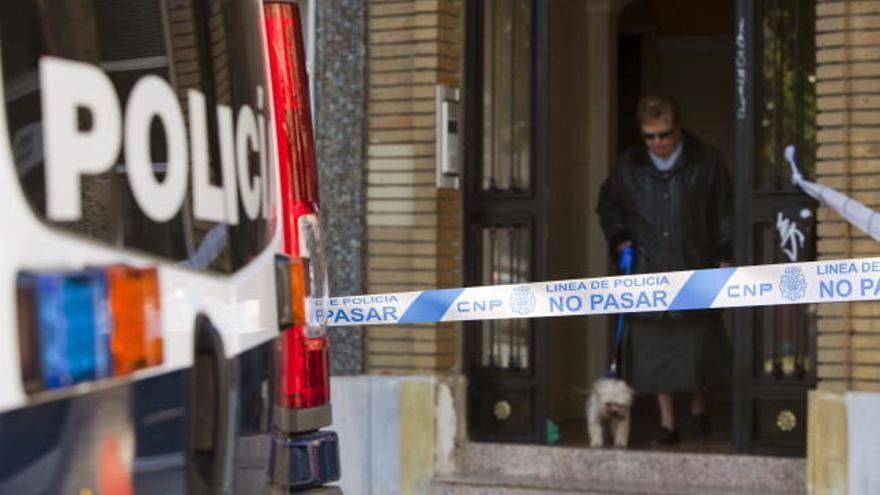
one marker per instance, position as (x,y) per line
(161,58)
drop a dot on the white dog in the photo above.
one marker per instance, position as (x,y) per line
(608,406)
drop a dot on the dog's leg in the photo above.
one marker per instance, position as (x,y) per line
(595,435)
(595,429)
(621,432)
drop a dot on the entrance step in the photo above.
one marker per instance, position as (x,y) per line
(491,484)
(531,470)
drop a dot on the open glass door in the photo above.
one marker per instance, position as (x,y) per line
(504,208)
(775,104)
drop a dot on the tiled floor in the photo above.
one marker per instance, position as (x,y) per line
(538,469)
(643,428)
(574,435)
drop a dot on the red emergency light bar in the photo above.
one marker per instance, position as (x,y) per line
(303,348)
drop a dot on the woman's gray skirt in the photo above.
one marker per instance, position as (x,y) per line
(676,354)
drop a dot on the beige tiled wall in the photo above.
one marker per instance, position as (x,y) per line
(848,159)
(413,229)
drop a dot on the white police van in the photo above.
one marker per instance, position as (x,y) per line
(159,242)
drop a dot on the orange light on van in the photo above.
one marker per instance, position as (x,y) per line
(136,340)
(299,288)
(152,306)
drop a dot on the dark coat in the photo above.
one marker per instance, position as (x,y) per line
(678,219)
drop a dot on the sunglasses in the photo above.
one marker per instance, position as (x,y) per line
(650,136)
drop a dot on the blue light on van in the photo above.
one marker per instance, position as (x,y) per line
(73,325)
(87,325)
(51,326)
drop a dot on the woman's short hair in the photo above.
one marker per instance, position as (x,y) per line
(656,107)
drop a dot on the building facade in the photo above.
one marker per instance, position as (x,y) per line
(548,93)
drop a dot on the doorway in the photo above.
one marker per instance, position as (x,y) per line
(742,72)
(684,51)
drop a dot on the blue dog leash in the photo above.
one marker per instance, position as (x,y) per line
(625,265)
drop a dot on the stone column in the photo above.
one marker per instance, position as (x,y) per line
(339,137)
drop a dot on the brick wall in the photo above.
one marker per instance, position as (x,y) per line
(848,159)
(413,237)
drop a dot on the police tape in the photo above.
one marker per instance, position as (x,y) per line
(829,281)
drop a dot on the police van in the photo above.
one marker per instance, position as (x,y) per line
(159,251)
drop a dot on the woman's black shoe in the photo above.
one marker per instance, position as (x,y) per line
(702,426)
(666,437)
